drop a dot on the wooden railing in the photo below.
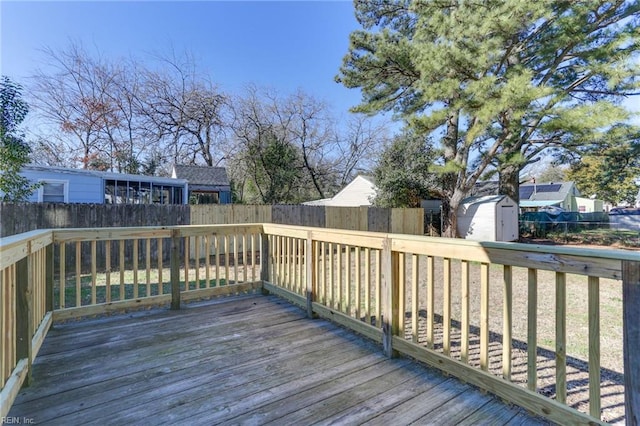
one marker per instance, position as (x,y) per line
(60,274)
(25,308)
(399,290)
(395,289)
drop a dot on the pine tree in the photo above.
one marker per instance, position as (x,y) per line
(495,83)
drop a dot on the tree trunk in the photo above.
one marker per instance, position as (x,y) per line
(450,214)
(510,182)
(450,202)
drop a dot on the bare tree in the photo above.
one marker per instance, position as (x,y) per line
(128,117)
(326,154)
(187,111)
(126,134)
(359,146)
(74,99)
(123,116)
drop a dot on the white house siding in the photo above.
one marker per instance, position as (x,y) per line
(81,188)
(359,192)
(588,205)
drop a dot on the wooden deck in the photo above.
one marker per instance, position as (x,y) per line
(249,359)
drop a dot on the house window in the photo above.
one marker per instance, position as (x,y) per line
(133,192)
(204,198)
(53,191)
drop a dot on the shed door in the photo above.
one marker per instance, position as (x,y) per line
(507,226)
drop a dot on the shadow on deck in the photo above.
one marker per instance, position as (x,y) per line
(249,359)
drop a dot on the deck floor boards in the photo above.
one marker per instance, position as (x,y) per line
(250,360)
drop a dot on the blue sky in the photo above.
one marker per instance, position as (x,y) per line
(284,45)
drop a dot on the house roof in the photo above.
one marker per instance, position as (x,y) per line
(548,191)
(202,175)
(551,191)
(320,202)
(104,175)
(484,188)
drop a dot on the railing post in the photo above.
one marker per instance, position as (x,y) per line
(631,338)
(391,291)
(49,278)
(264,258)
(175,269)
(310,258)
(24,317)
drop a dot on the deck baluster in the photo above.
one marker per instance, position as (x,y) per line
(631,337)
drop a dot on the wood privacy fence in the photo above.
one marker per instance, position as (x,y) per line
(372,219)
(16,218)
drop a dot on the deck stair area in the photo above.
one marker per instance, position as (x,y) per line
(263,323)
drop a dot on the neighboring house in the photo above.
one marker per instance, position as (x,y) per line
(560,194)
(62,185)
(535,196)
(207,185)
(359,192)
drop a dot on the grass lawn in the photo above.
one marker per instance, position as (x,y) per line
(146,286)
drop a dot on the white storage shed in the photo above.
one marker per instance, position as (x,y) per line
(488,218)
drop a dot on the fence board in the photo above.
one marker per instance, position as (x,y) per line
(378,219)
(351,218)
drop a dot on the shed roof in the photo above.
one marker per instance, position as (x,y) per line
(202,175)
(486,199)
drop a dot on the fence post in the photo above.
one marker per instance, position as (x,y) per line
(631,338)
(264,258)
(390,294)
(49,278)
(175,269)
(310,257)
(24,317)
